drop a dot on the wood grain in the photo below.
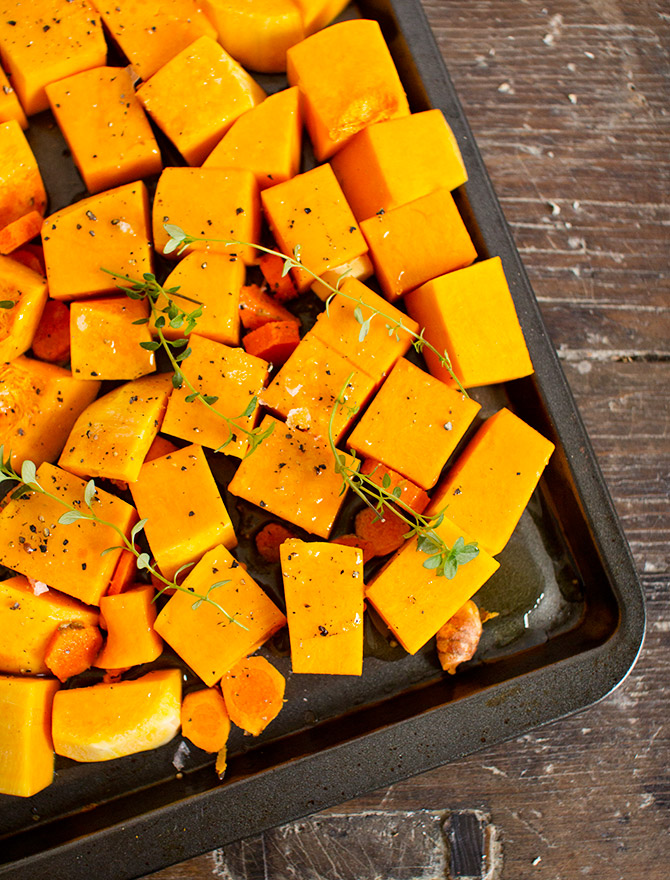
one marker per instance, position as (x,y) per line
(569,103)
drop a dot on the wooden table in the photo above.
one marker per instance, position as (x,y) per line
(569,102)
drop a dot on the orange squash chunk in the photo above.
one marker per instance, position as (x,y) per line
(18,323)
(397,161)
(311,212)
(215,281)
(266,140)
(253,691)
(358,85)
(28,621)
(105,127)
(216,203)
(47,40)
(470,314)
(129,618)
(410,495)
(108,721)
(339,328)
(323,585)
(413,424)
(257,33)
(39,404)
(66,557)
(185,513)
(318,13)
(21,187)
(113,434)
(258,308)
(360,268)
(417,241)
(490,484)
(201,633)
(197,95)
(26,747)
(232,376)
(106,231)
(151,32)
(10,108)
(293,476)
(105,341)
(309,384)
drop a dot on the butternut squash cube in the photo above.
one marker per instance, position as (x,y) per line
(230,375)
(105,341)
(21,187)
(26,748)
(202,633)
(113,434)
(317,14)
(39,404)
(340,329)
(10,108)
(490,484)
(257,33)
(360,268)
(152,32)
(394,162)
(470,314)
(323,585)
(28,291)
(265,140)
(107,231)
(178,496)
(417,241)
(107,721)
(29,619)
(307,388)
(105,127)
(359,84)
(213,280)
(310,211)
(293,476)
(47,40)
(197,95)
(414,601)
(66,557)
(215,203)
(413,424)
(129,617)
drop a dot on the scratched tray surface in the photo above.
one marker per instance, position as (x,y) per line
(569,628)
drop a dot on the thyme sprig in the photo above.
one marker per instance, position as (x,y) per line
(444,560)
(180,240)
(178,350)
(27,482)
(7,304)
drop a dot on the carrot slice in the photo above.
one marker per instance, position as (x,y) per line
(275,341)
(20,231)
(270,538)
(257,308)
(253,691)
(385,534)
(124,573)
(281,285)
(204,719)
(72,649)
(354,541)
(458,638)
(51,341)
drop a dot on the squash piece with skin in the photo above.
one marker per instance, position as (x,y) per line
(323,584)
(39,404)
(67,557)
(28,620)
(358,86)
(131,639)
(265,140)
(213,637)
(107,721)
(113,434)
(26,747)
(108,231)
(197,95)
(18,323)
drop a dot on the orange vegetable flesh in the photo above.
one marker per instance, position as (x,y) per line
(258,308)
(281,286)
(253,691)
(355,541)
(32,256)
(131,639)
(458,638)
(270,538)
(28,291)
(72,649)
(410,494)
(204,719)
(124,573)
(51,341)
(20,231)
(274,342)
(383,533)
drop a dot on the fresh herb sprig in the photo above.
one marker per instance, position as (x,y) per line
(180,240)
(27,482)
(444,560)
(7,304)
(178,350)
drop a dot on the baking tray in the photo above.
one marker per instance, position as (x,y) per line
(570,630)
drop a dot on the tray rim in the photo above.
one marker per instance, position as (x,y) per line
(164,836)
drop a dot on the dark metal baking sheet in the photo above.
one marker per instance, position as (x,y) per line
(570,634)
